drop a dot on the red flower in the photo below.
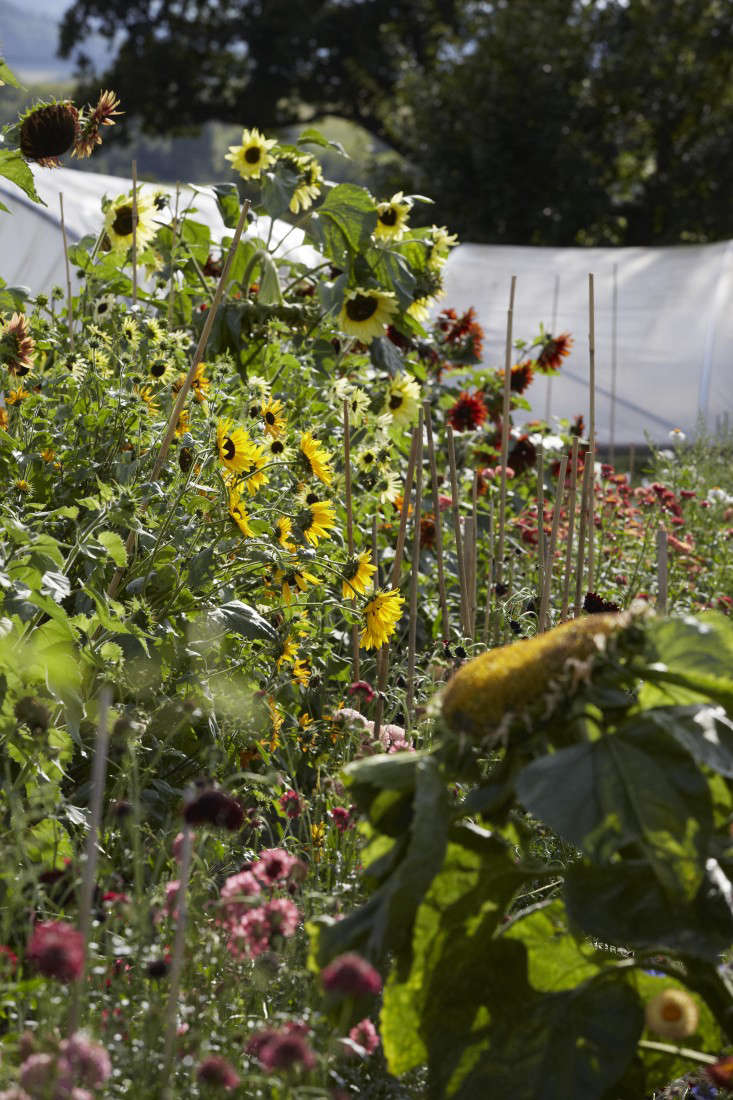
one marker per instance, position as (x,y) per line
(217,1071)
(351,975)
(523,455)
(291,805)
(468,413)
(520,377)
(362,687)
(57,950)
(596,605)
(554,350)
(281,1049)
(722,1072)
(213,807)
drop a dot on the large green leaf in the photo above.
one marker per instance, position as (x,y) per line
(227,199)
(705,731)
(7,76)
(345,222)
(636,786)
(625,905)
(692,660)
(555,959)
(15,168)
(239,618)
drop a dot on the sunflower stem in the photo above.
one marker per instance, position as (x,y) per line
(550,559)
(587,478)
(69,310)
(570,532)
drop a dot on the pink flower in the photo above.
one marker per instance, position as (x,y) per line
(251,936)
(177,847)
(57,950)
(291,805)
(88,1061)
(285,1050)
(283,916)
(342,818)
(351,975)
(217,1071)
(171,898)
(362,687)
(237,887)
(40,1072)
(365,1034)
(273,865)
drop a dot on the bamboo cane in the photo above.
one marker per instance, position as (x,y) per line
(592,427)
(445,624)
(662,571)
(134,232)
(414,576)
(460,561)
(571,531)
(587,479)
(540,535)
(505,428)
(549,567)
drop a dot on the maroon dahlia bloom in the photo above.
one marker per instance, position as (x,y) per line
(594,604)
(213,807)
(352,976)
(216,1071)
(57,950)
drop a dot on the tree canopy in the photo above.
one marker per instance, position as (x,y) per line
(569,121)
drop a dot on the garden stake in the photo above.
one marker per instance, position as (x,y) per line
(550,562)
(553,326)
(460,561)
(473,588)
(176,968)
(592,519)
(571,531)
(468,538)
(89,874)
(69,312)
(134,232)
(350,533)
(184,390)
(510,588)
(632,452)
(489,576)
(414,576)
(174,245)
(592,427)
(581,538)
(445,625)
(662,576)
(614,362)
(383,659)
(505,428)
(540,536)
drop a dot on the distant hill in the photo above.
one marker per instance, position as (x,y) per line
(29,40)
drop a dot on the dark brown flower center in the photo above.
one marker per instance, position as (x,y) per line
(253,154)
(277,447)
(361,307)
(269,417)
(122,225)
(228,449)
(157,368)
(49,131)
(395,401)
(388,216)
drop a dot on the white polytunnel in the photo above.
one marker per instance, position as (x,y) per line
(663,316)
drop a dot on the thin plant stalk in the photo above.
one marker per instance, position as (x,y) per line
(540,536)
(174,245)
(89,874)
(580,566)
(489,576)
(463,592)
(69,310)
(468,545)
(662,571)
(414,577)
(350,532)
(510,589)
(473,587)
(134,232)
(176,966)
(505,428)
(550,561)
(445,621)
(592,425)
(571,531)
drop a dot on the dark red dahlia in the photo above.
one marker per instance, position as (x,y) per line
(523,455)
(363,688)
(57,950)
(468,413)
(594,604)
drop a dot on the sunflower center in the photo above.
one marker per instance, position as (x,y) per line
(388,216)
(253,154)
(368,458)
(672,1012)
(269,418)
(157,368)
(277,447)
(228,449)
(311,498)
(395,401)
(122,225)
(361,307)
(49,131)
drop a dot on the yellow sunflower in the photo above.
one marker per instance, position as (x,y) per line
(283,532)
(317,521)
(234,446)
(402,399)
(309,183)
(159,365)
(358,574)
(253,472)
(392,218)
(252,157)
(293,582)
(200,383)
(381,616)
(302,672)
(365,313)
(272,414)
(118,222)
(441,244)
(276,450)
(287,653)
(146,395)
(184,423)
(239,513)
(316,459)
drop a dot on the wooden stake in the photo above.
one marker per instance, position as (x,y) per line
(414,576)
(468,542)
(592,520)
(632,453)
(550,562)
(460,560)
(505,427)
(541,553)
(445,623)
(553,326)
(587,478)
(134,232)
(176,967)
(174,243)
(592,427)
(571,531)
(489,576)
(350,533)
(662,571)
(473,586)
(89,874)
(614,362)
(69,310)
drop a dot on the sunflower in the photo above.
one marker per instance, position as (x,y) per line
(365,313)
(441,243)
(302,672)
(118,222)
(276,450)
(17,345)
(287,652)
(366,460)
(315,458)
(48,131)
(130,333)
(381,616)
(233,445)
(358,574)
(391,486)
(200,383)
(392,218)
(156,332)
(148,397)
(317,521)
(90,121)
(468,413)
(310,179)
(283,532)
(4,419)
(293,582)
(238,513)
(252,157)
(184,424)
(554,350)
(402,399)
(253,472)
(272,414)
(358,402)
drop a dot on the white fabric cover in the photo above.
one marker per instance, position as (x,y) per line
(674,328)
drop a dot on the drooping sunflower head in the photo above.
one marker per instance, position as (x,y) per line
(234,446)
(381,615)
(358,576)
(553,351)
(283,533)
(441,244)
(200,383)
(17,345)
(366,313)
(316,521)
(315,459)
(92,119)
(238,512)
(48,131)
(287,651)
(402,400)
(310,181)
(392,217)
(252,156)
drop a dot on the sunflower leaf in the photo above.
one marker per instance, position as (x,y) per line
(55,585)
(115,547)
(7,76)
(15,168)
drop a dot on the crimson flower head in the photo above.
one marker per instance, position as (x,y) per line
(57,950)
(352,976)
(520,377)
(594,604)
(216,1071)
(285,1050)
(554,350)
(468,413)
(362,687)
(214,807)
(273,866)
